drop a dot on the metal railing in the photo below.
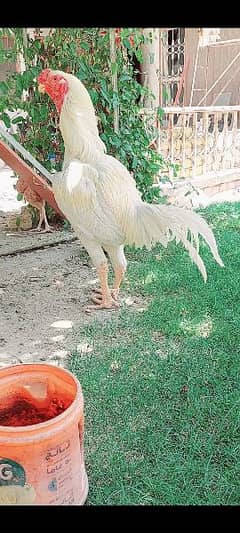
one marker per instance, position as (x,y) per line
(201,140)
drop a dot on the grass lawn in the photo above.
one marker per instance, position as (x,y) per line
(161,384)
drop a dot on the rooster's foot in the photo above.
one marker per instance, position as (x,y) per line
(106,303)
(48,230)
(39,230)
(114,293)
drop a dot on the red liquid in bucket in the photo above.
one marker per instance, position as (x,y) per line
(26,413)
(41,437)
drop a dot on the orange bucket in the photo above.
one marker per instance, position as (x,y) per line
(41,436)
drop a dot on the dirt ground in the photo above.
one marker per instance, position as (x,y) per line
(43,296)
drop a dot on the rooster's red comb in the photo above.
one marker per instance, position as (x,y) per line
(43,75)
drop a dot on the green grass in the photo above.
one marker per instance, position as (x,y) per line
(161,385)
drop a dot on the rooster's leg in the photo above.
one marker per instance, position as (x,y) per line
(47,227)
(105,299)
(119,274)
(119,263)
(42,218)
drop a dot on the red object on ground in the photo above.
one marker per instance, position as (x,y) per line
(22,169)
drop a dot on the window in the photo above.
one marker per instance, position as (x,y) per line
(171,64)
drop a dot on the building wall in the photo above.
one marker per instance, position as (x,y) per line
(7,68)
(217,59)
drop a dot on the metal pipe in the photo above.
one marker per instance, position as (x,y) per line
(11,140)
(194,72)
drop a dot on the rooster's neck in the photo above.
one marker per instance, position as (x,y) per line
(80,134)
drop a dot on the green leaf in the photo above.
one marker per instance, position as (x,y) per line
(37,45)
(103,84)
(4,88)
(160,113)
(5,118)
(19,85)
(94,95)
(105,94)
(139,55)
(85,46)
(35,71)
(175,170)
(19,196)
(66,224)
(72,47)
(124,33)
(18,221)
(125,77)
(17,120)
(134,162)
(126,43)
(35,114)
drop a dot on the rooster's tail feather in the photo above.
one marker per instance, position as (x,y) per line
(158,223)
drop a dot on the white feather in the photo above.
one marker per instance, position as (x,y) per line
(99,196)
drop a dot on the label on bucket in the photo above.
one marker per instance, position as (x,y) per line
(49,472)
(58,466)
(13,486)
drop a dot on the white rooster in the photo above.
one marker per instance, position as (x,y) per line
(99,197)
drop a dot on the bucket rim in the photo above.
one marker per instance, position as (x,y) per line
(75,409)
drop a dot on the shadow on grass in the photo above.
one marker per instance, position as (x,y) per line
(161,386)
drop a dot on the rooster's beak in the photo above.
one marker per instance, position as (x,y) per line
(41,88)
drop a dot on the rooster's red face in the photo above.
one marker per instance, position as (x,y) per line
(54,84)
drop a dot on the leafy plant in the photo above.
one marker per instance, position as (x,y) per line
(85,53)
